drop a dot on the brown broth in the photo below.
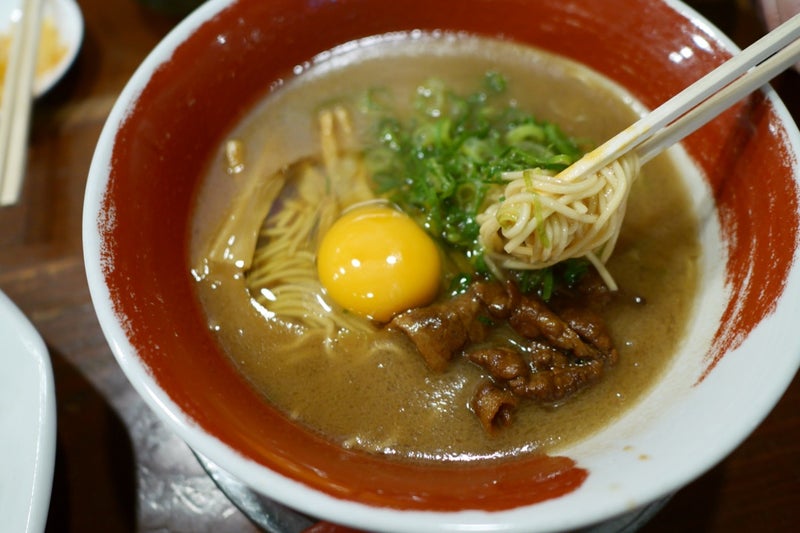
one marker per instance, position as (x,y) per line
(389,402)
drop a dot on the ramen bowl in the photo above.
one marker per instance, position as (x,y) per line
(741,171)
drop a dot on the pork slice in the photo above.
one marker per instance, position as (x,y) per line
(493,406)
(500,362)
(534,320)
(439,331)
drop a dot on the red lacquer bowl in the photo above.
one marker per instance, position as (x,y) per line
(213,67)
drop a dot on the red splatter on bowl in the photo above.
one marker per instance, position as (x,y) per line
(205,76)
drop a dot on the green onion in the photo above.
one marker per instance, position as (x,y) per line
(507,216)
(439,164)
(541,231)
(460,283)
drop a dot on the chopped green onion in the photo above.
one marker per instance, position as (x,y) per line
(507,216)
(439,164)
(541,231)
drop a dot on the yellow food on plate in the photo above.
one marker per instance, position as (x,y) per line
(51,50)
(375,261)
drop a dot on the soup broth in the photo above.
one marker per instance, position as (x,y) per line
(378,395)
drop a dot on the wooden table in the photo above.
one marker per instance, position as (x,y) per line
(118,468)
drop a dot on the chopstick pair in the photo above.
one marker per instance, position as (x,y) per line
(17,100)
(700,102)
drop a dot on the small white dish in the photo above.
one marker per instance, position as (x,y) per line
(67,17)
(27,423)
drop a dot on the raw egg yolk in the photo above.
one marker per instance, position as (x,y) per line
(376,261)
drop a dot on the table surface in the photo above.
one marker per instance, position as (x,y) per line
(118,469)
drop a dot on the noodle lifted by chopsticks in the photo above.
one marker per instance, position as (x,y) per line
(541,219)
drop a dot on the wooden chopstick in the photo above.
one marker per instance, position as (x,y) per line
(704,112)
(17,100)
(674,108)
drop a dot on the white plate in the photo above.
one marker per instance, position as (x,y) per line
(68,20)
(27,423)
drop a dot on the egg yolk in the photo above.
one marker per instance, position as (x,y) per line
(376,261)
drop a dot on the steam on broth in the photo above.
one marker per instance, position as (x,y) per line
(298,161)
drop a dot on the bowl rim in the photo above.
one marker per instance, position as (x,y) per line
(292,492)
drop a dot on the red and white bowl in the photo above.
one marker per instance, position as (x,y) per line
(739,356)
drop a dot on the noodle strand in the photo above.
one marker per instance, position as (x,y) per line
(283,277)
(541,220)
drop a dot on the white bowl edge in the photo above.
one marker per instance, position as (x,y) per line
(625,496)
